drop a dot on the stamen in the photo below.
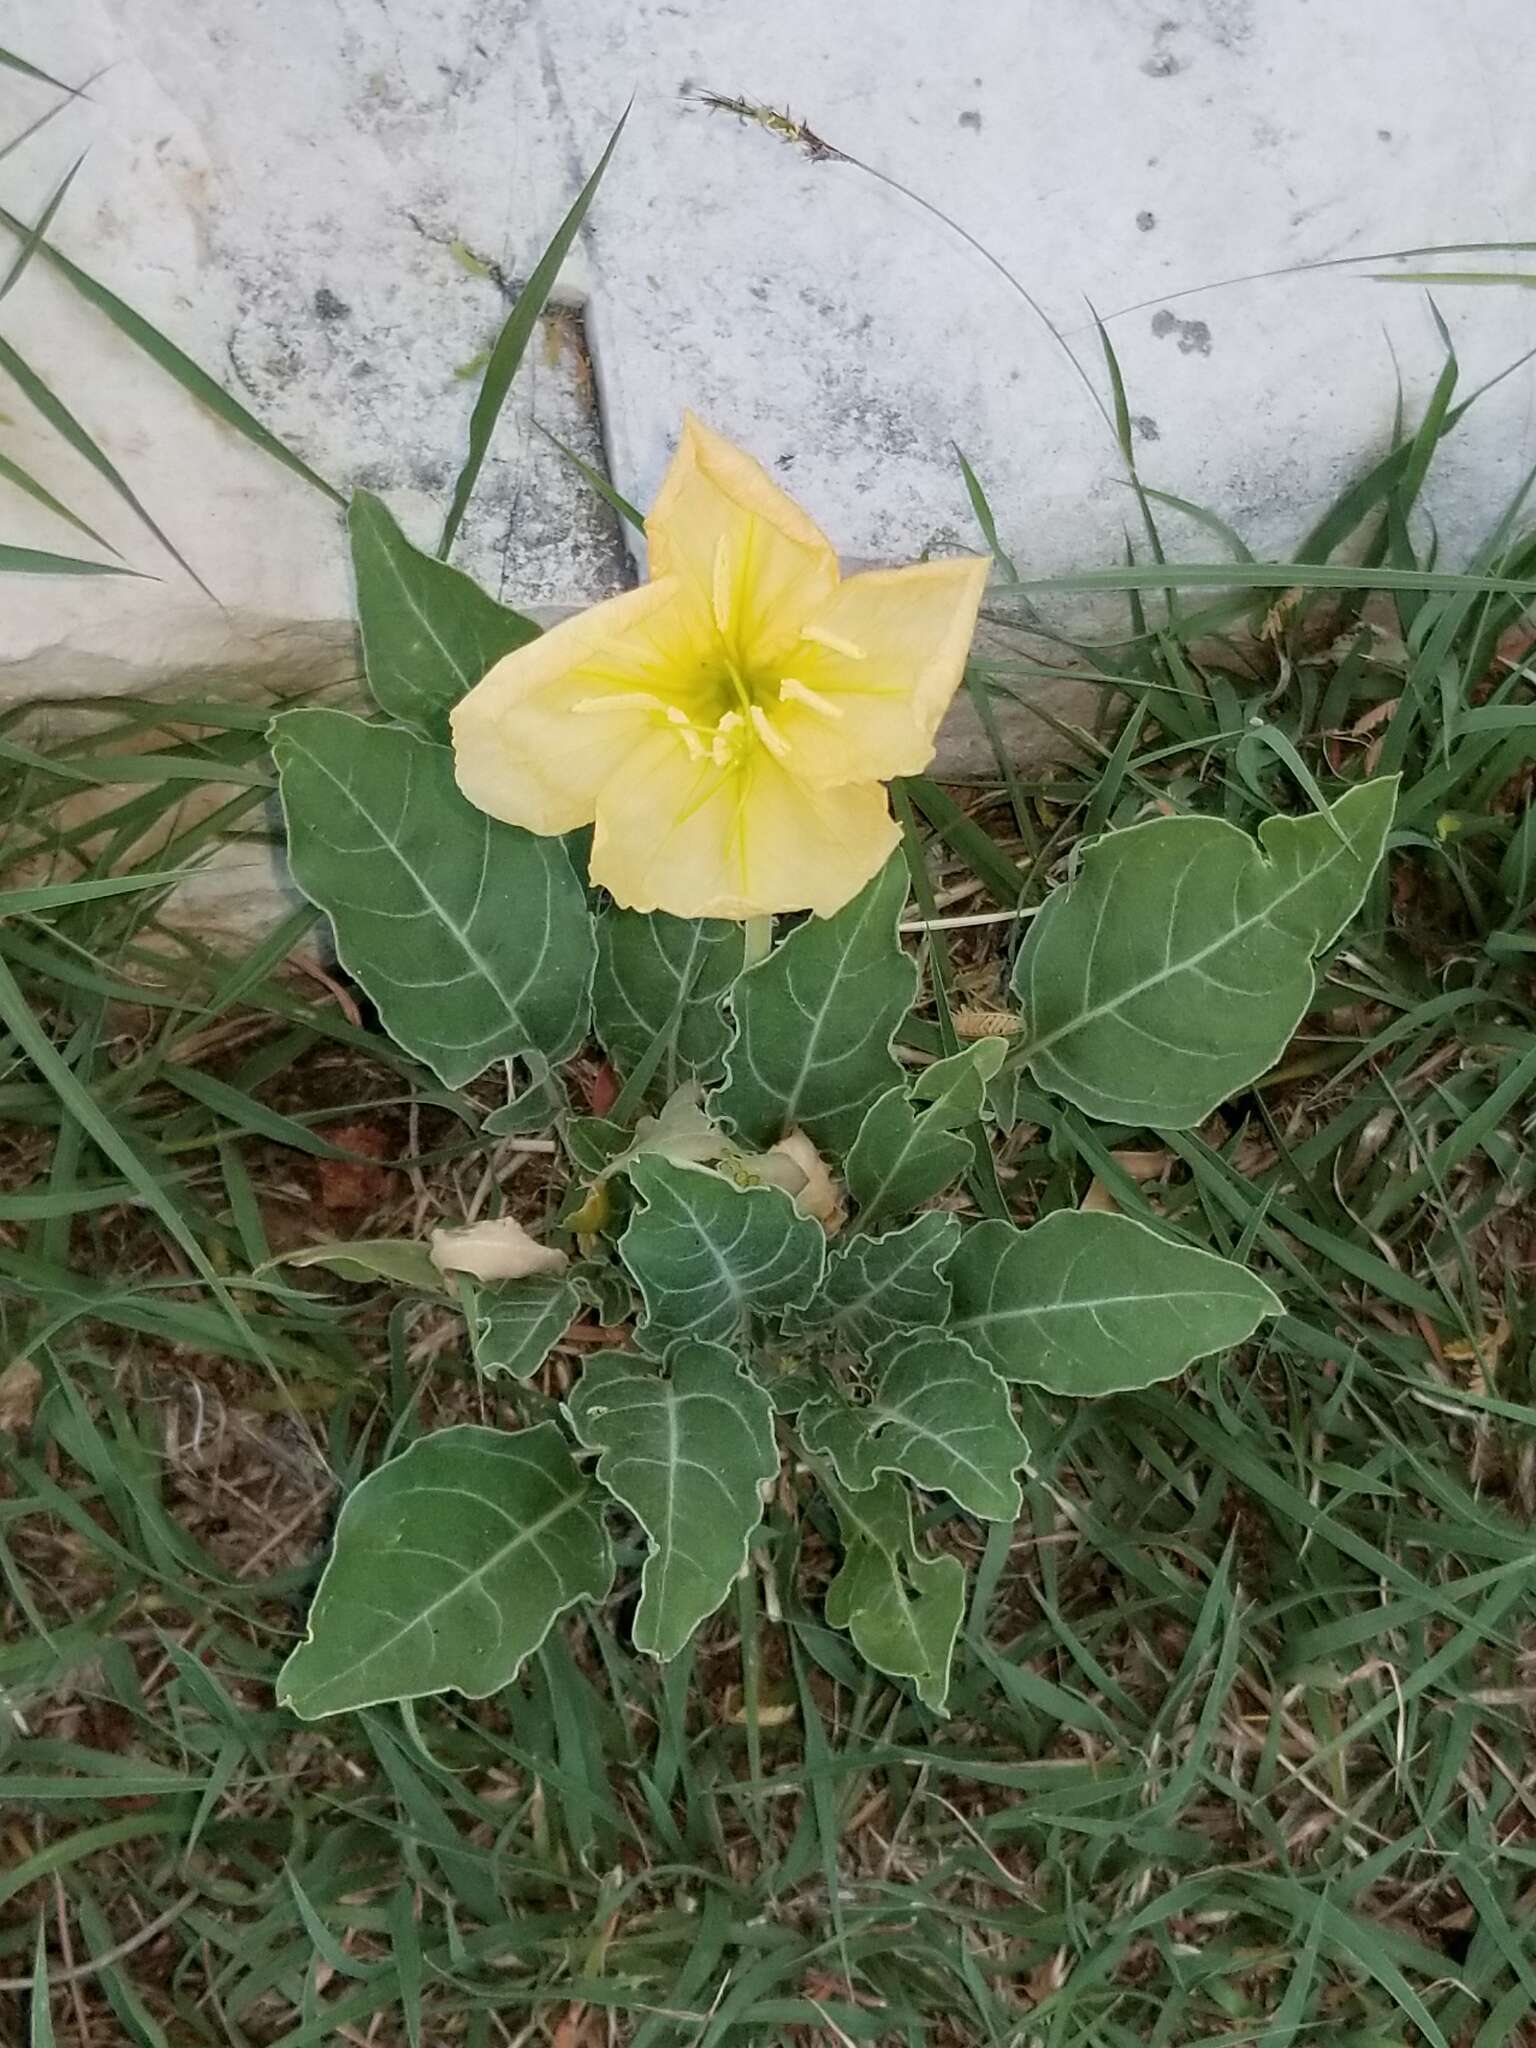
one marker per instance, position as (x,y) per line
(721,605)
(824,637)
(801,693)
(624,700)
(691,742)
(722,748)
(775,742)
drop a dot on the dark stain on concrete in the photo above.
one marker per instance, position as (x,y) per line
(1146,220)
(1194,336)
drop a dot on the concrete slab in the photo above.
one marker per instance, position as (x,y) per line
(296,195)
(1112,155)
(322,203)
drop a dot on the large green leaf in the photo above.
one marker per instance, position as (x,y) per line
(902,1609)
(687,1450)
(1177,965)
(662,978)
(472,938)
(517,1323)
(429,632)
(910,1146)
(814,1022)
(938,1413)
(450,1564)
(877,1286)
(709,1256)
(1087,1303)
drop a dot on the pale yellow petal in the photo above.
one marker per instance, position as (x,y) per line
(875,669)
(498,1249)
(701,841)
(746,549)
(536,738)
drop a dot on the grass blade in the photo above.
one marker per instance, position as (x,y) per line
(77,1100)
(33,242)
(13,473)
(513,340)
(596,481)
(1280,576)
(40,2026)
(176,363)
(64,423)
(36,562)
(9,61)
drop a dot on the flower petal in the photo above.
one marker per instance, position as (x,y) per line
(747,551)
(537,737)
(701,841)
(876,668)
(498,1249)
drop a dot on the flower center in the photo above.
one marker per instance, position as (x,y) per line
(742,706)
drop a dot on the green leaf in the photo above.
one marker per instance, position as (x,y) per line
(534,1107)
(709,1256)
(909,1146)
(429,632)
(605,1289)
(516,333)
(815,1020)
(661,977)
(938,1413)
(451,1563)
(1177,965)
(1087,1303)
(517,1323)
(688,1452)
(404,1260)
(471,937)
(902,1609)
(878,1286)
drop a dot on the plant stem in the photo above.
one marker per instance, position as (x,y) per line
(759,937)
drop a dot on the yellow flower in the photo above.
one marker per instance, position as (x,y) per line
(729,725)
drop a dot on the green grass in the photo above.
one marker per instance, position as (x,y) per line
(1241,1736)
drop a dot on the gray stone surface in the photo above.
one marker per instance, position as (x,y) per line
(326,202)
(288,186)
(1111,154)
(307,198)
